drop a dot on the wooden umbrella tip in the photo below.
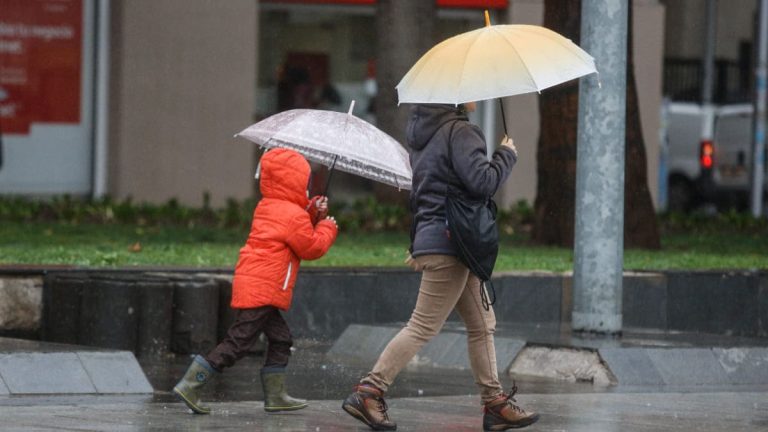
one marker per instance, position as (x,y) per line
(487,19)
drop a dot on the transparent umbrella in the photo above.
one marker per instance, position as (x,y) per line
(338,140)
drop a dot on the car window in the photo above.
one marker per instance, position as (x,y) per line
(734,131)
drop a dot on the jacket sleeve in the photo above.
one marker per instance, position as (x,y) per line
(481,177)
(310,242)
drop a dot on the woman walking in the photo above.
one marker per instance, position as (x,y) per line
(446,152)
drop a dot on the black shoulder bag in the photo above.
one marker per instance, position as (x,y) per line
(472,228)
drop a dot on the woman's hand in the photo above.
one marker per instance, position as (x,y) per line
(507,142)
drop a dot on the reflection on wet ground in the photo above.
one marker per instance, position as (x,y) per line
(312,376)
(592,412)
(420,400)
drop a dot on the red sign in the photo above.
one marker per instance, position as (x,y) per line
(40,58)
(480,4)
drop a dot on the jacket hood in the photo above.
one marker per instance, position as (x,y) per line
(285,175)
(426,119)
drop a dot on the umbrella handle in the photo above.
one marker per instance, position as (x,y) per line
(503,118)
(328,182)
(330,174)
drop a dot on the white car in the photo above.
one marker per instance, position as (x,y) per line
(717,170)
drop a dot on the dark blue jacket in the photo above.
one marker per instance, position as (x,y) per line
(468,170)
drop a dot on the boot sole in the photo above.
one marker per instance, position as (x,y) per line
(358,415)
(502,427)
(195,408)
(288,408)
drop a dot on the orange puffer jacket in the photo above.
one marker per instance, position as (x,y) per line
(282,234)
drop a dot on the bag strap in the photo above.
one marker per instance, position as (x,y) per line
(484,298)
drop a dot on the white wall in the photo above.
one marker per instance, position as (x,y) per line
(183,83)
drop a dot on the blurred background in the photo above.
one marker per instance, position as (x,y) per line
(142,98)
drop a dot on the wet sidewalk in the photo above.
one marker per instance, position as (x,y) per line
(595,412)
(421,399)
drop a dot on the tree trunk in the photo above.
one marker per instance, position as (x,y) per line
(404,32)
(556,153)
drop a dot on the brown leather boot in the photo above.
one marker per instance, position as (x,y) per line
(502,414)
(367,405)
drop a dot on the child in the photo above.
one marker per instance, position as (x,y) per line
(284,231)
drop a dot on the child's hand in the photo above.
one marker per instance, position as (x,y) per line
(321,203)
(318,208)
(333,219)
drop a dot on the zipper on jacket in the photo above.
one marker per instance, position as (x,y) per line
(288,276)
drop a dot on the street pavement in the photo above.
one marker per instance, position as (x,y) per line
(590,412)
(421,399)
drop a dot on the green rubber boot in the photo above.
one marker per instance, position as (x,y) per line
(275,396)
(188,389)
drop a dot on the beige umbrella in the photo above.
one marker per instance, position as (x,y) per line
(493,62)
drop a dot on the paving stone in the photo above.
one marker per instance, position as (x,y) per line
(744,365)
(44,373)
(688,366)
(507,350)
(362,343)
(631,366)
(580,412)
(456,356)
(21,303)
(444,351)
(557,363)
(115,372)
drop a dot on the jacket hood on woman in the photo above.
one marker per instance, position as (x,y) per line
(462,166)
(282,234)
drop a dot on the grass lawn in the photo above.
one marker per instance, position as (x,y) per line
(122,245)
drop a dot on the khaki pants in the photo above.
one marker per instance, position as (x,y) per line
(446,283)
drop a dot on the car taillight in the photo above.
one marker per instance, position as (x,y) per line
(707,154)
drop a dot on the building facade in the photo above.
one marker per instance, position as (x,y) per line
(162,86)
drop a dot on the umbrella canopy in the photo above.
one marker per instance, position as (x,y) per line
(493,62)
(338,140)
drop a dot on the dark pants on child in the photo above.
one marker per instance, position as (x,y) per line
(244,332)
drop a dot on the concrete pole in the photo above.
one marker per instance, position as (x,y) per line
(101,133)
(758,151)
(708,84)
(599,242)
